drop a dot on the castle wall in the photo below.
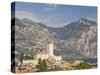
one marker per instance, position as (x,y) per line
(42,56)
(29,62)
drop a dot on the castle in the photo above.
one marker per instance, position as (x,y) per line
(49,55)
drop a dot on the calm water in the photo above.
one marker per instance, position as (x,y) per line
(90,60)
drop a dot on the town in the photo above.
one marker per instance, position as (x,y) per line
(43,62)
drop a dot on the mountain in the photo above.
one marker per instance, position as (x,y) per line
(75,40)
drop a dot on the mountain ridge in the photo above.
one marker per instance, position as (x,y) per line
(75,40)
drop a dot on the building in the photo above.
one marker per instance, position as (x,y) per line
(50,48)
(43,55)
(30,62)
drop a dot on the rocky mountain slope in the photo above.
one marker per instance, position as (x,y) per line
(75,40)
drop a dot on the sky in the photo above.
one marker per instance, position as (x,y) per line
(54,15)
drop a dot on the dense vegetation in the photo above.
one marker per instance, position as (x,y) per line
(83,65)
(42,65)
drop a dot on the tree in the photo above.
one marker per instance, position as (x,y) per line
(83,65)
(55,68)
(42,65)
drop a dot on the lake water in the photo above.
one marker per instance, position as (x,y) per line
(90,60)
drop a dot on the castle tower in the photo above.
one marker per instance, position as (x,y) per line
(50,48)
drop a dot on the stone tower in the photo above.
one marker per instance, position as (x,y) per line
(50,48)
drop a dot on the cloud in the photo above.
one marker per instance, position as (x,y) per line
(53,20)
(50,6)
(57,20)
(25,14)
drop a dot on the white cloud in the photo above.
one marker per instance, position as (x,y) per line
(30,15)
(53,20)
(50,6)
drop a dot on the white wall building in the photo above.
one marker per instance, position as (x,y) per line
(48,55)
(41,55)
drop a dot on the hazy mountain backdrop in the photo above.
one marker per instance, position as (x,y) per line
(75,40)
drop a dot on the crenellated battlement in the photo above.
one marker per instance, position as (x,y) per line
(30,61)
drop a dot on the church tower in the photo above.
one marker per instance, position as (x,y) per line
(50,48)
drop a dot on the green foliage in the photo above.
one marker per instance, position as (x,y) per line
(56,68)
(42,65)
(83,65)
